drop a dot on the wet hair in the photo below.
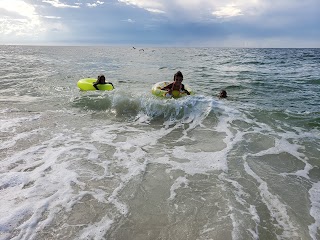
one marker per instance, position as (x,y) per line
(223,93)
(101,79)
(178,74)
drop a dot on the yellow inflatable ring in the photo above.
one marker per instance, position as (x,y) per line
(86,84)
(156,90)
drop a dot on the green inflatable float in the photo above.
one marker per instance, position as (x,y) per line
(86,84)
(156,90)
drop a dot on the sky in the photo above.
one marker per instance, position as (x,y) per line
(185,23)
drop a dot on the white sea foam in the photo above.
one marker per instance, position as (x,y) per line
(10,125)
(96,231)
(129,155)
(239,192)
(282,145)
(11,142)
(6,125)
(22,99)
(9,110)
(38,181)
(288,143)
(314,193)
(203,161)
(178,183)
(277,209)
(199,162)
(255,217)
(236,214)
(235,224)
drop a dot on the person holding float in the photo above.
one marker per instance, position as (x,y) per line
(101,80)
(91,84)
(174,89)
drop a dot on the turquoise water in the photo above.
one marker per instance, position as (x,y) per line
(128,165)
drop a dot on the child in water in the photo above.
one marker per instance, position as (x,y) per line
(176,84)
(223,94)
(101,80)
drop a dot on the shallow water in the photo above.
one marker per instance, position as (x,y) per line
(128,165)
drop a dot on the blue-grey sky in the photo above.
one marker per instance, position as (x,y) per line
(212,23)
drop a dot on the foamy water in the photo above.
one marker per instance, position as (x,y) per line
(128,165)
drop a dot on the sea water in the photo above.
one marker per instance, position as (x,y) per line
(128,165)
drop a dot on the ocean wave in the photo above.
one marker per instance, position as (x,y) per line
(146,106)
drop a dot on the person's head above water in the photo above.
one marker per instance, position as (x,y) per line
(176,85)
(178,77)
(223,94)
(101,79)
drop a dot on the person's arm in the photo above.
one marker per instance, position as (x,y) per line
(110,84)
(168,87)
(95,85)
(183,89)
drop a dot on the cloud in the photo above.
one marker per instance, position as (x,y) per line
(151,6)
(51,17)
(19,19)
(198,10)
(58,4)
(95,4)
(17,6)
(170,22)
(22,23)
(230,10)
(154,10)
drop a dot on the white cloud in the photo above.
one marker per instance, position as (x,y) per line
(92,5)
(95,4)
(18,6)
(20,19)
(199,10)
(58,4)
(151,6)
(230,10)
(129,20)
(51,17)
(154,10)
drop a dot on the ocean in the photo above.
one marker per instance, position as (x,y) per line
(125,164)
